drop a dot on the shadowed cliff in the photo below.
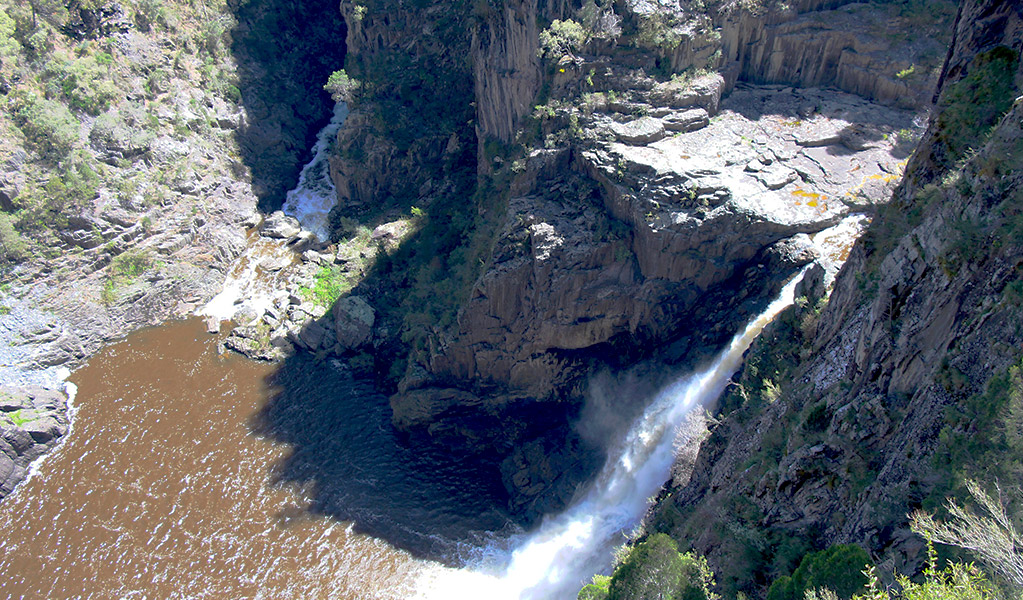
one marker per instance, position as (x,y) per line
(285,52)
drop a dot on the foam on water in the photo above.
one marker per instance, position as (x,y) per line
(252,281)
(311,200)
(560,556)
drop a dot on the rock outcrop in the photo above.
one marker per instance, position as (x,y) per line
(32,422)
(890,54)
(624,200)
(846,419)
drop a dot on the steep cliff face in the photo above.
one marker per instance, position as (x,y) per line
(413,103)
(890,53)
(505,68)
(621,199)
(845,420)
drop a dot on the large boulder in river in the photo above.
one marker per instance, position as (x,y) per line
(280,225)
(353,321)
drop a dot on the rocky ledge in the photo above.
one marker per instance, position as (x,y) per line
(662,225)
(32,421)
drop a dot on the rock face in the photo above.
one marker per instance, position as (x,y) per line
(628,248)
(845,44)
(32,421)
(648,207)
(505,68)
(844,421)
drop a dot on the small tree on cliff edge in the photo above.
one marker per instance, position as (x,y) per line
(341,86)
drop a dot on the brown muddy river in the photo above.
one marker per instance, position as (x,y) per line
(195,474)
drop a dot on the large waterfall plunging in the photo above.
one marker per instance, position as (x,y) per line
(557,559)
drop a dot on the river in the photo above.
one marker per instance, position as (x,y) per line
(191,472)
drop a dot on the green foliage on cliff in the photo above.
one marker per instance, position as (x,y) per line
(86,96)
(982,434)
(341,87)
(990,534)
(652,570)
(957,581)
(838,568)
(971,107)
(48,125)
(329,283)
(561,38)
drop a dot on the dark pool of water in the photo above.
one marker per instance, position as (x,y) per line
(195,474)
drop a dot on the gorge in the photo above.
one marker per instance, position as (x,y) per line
(545,211)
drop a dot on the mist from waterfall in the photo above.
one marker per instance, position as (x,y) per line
(560,556)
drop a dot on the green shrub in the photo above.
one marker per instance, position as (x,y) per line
(972,106)
(340,86)
(657,32)
(125,269)
(956,582)
(84,82)
(655,569)
(12,246)
(48,125)
(149,13)
(561,38)
(992,537)
(839,568)
(597,590)
(9,46)
(131,264)
(329,283)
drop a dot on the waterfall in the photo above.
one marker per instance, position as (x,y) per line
(311,200)
(558,558)
(250,282)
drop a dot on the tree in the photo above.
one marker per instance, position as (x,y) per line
(992,537)
(341,86)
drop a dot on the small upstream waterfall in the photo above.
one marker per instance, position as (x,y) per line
(259,275)
(557,559)
(311,200)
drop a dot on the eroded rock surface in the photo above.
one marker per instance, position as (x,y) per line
(32,421)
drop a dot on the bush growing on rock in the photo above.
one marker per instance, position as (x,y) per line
(341,86)
(561,38)
(48,125)
(83,81)
(12,247)
(655,569)
(838,568)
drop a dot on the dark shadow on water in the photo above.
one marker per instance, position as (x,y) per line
(285,52)
(431,500)
(424,500)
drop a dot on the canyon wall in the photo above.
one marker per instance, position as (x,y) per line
(848,417)
(608,215)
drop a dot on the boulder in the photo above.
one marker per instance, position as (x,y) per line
(311,336)
(44,429)
(353,320)
(643,130)
(18,438)
(281,226)
(687,120)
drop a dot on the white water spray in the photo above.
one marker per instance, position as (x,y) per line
(311,200)
(558,559)
(258,278)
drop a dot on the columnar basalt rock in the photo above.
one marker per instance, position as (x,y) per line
(506,70)
(846,419)
(640,195)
